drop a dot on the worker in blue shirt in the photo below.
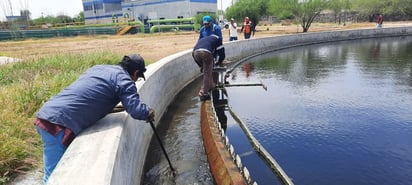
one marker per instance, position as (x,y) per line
(91,97)
(209,28)
(206,50)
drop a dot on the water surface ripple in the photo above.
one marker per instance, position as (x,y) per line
(337,113)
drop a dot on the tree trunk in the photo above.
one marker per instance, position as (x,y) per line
(305,29)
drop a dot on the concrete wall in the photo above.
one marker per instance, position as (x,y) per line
(113,151)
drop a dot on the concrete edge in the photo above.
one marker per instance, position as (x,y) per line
(114,150)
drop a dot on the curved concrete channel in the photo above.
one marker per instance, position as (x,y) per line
(114,151)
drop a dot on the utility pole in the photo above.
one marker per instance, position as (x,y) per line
(11,7)
(221,8)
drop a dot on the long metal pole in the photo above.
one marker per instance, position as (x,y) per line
(262,151)
(163,148)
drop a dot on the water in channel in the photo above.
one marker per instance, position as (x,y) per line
(182,139)
(335,113)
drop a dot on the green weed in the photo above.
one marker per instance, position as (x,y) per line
(25,86)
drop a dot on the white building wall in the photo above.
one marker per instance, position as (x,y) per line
(172,10)
(147,9)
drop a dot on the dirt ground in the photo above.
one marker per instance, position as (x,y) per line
(151,46)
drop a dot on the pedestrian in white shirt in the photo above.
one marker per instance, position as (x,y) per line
(232,30)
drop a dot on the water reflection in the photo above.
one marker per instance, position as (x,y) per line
(333,113)
(220,104)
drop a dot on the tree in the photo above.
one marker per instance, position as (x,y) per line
(370,7)
(64,19)
(403,6)
(337,6)
(386,7)
(79,17)
(304,11)
(254,9)
(199,17)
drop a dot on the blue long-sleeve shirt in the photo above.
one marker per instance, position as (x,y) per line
(212,29)
(93,96)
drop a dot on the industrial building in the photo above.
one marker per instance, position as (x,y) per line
(109,11)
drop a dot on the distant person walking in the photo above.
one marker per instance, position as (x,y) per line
(248,28)
(379,21)
(204,53)
(232,30)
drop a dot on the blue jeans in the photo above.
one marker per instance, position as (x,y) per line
(53,150)
(232,38)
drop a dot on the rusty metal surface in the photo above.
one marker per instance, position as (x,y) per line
(221,163)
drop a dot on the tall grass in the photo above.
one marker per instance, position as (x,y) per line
(24,87)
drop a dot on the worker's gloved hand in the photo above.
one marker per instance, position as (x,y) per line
(151,116)
(117,108)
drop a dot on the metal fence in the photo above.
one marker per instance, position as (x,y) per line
(63,32)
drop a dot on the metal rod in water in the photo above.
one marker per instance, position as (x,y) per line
(163,148)
(240,85)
